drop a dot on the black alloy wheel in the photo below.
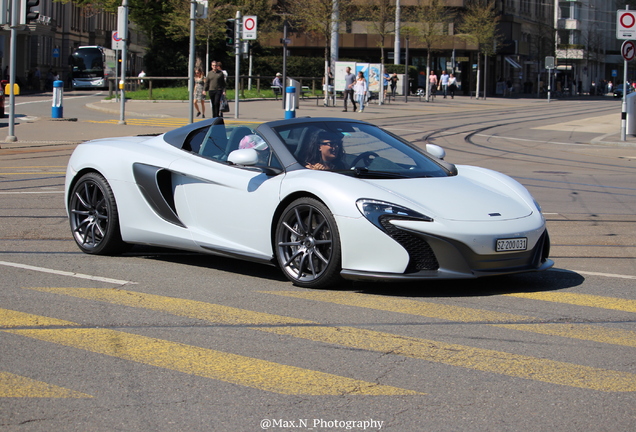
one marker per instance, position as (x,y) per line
(308,244)
(93,216)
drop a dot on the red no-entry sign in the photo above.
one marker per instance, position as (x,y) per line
(626,24)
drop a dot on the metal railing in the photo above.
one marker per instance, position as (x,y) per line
(310,85)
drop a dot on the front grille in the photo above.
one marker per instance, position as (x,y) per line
(421,255)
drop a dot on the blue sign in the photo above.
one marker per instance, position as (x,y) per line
(614,73)
(56,52)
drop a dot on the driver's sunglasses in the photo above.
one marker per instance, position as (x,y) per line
(331,144)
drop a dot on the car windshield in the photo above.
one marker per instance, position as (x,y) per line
(358,149)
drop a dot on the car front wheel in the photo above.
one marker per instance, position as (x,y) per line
(93,216)
(308,244)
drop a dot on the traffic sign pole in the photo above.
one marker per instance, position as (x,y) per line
(624,104)
(626,29)
(628,51)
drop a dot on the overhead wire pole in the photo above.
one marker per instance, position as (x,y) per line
(396,50)
(15,10)
(123,32)
(193,11)
(237,60)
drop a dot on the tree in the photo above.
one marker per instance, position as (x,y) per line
(432,18)
(315,18)
(381,17)
(479,26)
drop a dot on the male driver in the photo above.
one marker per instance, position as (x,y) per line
(350,80)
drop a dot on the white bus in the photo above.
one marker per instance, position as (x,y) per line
(91,66)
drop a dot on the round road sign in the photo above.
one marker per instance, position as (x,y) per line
(249,23)
(628,50)
(625,24)
(627,20)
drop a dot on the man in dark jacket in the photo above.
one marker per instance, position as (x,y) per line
(215,86)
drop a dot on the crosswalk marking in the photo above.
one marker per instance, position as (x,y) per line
(11,319)
(152,121)
(164,121)
(16,386)
(486,360)
(607,335)
(204,362)
(463,314)
(624,305)
(411,307)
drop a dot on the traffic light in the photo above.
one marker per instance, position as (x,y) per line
(27,11)
(229,32)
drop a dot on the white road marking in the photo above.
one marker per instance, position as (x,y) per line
(40,192)
(65,273)
(66,98)
(610,275)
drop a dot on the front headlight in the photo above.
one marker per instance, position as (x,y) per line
(378,212)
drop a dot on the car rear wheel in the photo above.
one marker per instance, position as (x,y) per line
(93,216)
(308,244)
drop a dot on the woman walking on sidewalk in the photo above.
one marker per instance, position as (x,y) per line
(199,97)
(360,87)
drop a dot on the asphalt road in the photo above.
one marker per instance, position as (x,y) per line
(159,340)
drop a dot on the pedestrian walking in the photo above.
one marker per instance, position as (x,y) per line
(350,80)
(199,97)
(215,85)
(361,88)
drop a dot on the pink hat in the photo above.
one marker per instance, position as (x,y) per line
(252,141)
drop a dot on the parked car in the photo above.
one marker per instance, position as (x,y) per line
(618,90)
(321,198)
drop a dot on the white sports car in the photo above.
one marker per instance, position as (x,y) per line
(322,198)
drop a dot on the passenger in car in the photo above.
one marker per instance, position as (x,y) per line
(325,152)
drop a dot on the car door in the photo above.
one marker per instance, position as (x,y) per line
(227,208)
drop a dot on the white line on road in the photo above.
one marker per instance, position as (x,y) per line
(38,192)
(65,273)
(610,275)
(530,140)
(66,98)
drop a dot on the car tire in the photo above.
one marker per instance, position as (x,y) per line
(93,216)
(307,244)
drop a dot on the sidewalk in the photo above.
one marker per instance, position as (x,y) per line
(33,131)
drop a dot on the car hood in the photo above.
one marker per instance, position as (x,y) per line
(473,195)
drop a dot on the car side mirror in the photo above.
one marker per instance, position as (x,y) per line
(247,157)
(436,151)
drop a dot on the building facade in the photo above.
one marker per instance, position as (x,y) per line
(581,34)
(46,44)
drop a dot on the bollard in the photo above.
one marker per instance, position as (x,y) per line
(57,110)
(290,102)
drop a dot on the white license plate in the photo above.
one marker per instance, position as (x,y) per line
(512,244)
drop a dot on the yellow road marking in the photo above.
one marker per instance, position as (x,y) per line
(11,318)
(607,335)
(462,314)
(624,305)
(18,386)
(232,368)
(411,307)
(168,121)
(451,354)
